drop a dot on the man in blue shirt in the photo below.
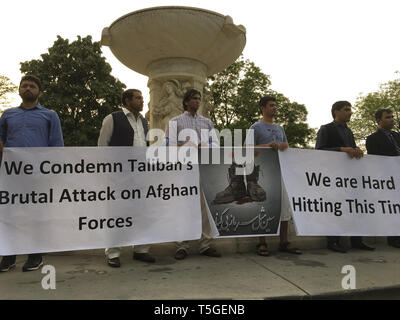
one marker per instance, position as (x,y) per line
(269,134)
(29,125)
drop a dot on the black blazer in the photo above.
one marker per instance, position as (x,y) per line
(378,143)
(329,137)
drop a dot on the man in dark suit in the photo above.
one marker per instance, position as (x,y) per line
(337,136)
(126,127)
(385,142)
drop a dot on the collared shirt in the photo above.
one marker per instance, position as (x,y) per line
(345,133)
(36,127)
(196,129)
(388,134)
(107,128)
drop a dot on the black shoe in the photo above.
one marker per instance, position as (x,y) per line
(211,252)
(7,263)
(336,247)
(180,254)
(114,262)
(362,246)
(286,247)
(34,262)
(393,242)
(145,257)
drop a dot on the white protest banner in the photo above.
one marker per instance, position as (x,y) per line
(61,199)
(333,195)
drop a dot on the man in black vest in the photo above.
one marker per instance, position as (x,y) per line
(126,128)
(336,136)
(385,142)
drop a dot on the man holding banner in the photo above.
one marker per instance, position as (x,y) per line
(337,136)
(126,128)
(385,142)
(29,125)
(196,124)
(269,134)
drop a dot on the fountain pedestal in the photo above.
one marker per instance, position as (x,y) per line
(177,48)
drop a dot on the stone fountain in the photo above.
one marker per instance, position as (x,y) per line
(177,48)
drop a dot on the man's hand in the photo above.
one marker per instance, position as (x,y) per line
(283,146)
(359,153)
(189,144)
(353,152)
(273,145)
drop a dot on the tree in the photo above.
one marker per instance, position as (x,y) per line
(363,121)
(6,87)
(293,118)
(235,93)
(78,86)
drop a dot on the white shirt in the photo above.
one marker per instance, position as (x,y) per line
(107,128)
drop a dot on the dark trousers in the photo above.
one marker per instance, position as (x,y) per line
(334,239)
(392,240)
(33,255)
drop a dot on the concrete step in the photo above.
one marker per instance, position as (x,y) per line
(316,274)
(243,244)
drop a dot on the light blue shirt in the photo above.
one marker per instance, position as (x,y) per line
(36,127)
(265,133)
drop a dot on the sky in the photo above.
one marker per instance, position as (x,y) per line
(315,51)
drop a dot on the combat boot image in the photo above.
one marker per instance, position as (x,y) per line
(254,190)
(236,189)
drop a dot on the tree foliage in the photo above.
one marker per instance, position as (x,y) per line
(6,87)
(363,120)
(78,86)
(235,103)
(235,93)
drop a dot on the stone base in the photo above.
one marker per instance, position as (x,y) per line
(238,245)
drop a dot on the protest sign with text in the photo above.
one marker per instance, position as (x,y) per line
(334,195)
(60,199)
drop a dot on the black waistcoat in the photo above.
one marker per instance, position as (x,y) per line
(123,133)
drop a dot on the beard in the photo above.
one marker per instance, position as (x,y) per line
(29,97)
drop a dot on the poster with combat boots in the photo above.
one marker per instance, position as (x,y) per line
(244,198)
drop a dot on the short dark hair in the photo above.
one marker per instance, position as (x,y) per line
(189,95)
(338,105)
(32,78)
(264,101)
(379,113)
(128,94)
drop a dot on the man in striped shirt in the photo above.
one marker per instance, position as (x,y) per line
(192,129)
